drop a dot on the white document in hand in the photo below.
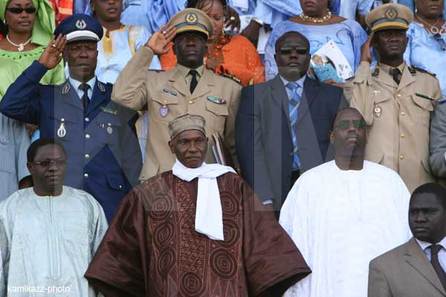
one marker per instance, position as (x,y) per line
(334,54)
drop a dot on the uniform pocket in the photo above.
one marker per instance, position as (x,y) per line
(116,182)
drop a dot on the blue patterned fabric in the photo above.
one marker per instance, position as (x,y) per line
(428,52)
(294,95)
(348,35)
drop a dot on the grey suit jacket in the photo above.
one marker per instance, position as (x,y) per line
(263,133)
(404,272)
(438,141)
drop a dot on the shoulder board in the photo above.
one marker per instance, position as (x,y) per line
(234,78)
(414,69)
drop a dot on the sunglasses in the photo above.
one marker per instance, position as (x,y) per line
(50,162)
(287,50)
(19,10)
(345,124)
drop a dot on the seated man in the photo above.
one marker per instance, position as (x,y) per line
(48,233)
(416,268)
(197,230)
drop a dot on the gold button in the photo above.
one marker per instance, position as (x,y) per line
(190,101)
(401,157)
(403,113)
(402,135)
(398,95)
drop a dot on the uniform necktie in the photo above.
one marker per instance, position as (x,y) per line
(396,75)
(84,87)
(435,248)
(193,81)
(293,107)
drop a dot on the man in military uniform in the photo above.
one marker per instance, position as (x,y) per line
(187,88)
(396,100)
(104,158)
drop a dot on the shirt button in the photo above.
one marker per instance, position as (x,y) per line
(87,136)
(87,119)
(402,135)
(85,175)
(403,113)
(87,156)
(401,157)
(190,102)
(398,95)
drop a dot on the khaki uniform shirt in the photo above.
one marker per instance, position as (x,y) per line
(166,96)
(398,118)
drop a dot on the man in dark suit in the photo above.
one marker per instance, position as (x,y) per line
(283,125)
(416,268)
(103,155)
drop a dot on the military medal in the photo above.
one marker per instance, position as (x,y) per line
(109,128)
(377,110)
(216,99)
(164,110)
(61,132)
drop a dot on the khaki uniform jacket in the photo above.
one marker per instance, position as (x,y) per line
(404,272)
(166,96)
(398,118)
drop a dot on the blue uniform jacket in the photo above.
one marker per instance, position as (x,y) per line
(103,155)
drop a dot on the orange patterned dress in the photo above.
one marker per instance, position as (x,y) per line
(233,55)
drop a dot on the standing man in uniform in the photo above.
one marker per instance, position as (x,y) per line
(395,99)
(187,88)
(104,158)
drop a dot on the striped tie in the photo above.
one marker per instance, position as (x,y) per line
(293,106)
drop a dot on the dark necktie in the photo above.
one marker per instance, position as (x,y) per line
(84,87)
(396,75)
(193,81)
(435,248)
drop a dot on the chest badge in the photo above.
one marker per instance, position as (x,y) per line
(61,132)
(216,99)
(164,110)
(377,111)
(109,128)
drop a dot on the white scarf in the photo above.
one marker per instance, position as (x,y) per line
(208,214)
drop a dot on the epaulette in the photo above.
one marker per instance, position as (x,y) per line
(414,70)
(234,78)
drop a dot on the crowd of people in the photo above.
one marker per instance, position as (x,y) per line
(222,148)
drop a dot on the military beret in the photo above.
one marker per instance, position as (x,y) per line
(80,27)
(192,19)
(186,122)
(389,16)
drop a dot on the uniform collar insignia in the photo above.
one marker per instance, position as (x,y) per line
(101,87)
(109,110)
(66,88)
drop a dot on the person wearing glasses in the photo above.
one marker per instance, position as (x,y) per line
(29,26)
(104,158)
(343,213)
(426,47)
(271,155)
(49,232)
(395,99)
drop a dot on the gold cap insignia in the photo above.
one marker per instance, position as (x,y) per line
(391,13)
(191,18)
(80,24)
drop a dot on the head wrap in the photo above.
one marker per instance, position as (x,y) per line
(44,23)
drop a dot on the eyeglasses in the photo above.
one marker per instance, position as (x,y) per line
(19,10)
(345,124)
(50,162)
(287,50)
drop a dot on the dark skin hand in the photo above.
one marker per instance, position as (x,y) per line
(159,41)
(52,55)
(232,19)
(252,32)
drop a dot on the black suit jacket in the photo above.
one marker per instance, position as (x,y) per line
(263,133)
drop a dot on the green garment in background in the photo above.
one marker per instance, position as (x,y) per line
(14,63)
(44,24)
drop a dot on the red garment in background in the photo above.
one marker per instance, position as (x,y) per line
(62,8)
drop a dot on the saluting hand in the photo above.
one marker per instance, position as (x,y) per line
(52,55)
(159,41)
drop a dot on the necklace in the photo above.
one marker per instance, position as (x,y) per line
(314,19)
(21,46)
(434,29)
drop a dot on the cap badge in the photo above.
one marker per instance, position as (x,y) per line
(391,13)
(191,18)
(80,24)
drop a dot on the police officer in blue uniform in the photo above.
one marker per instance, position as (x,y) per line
(104,157)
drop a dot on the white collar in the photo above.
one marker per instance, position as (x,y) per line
(424,245)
